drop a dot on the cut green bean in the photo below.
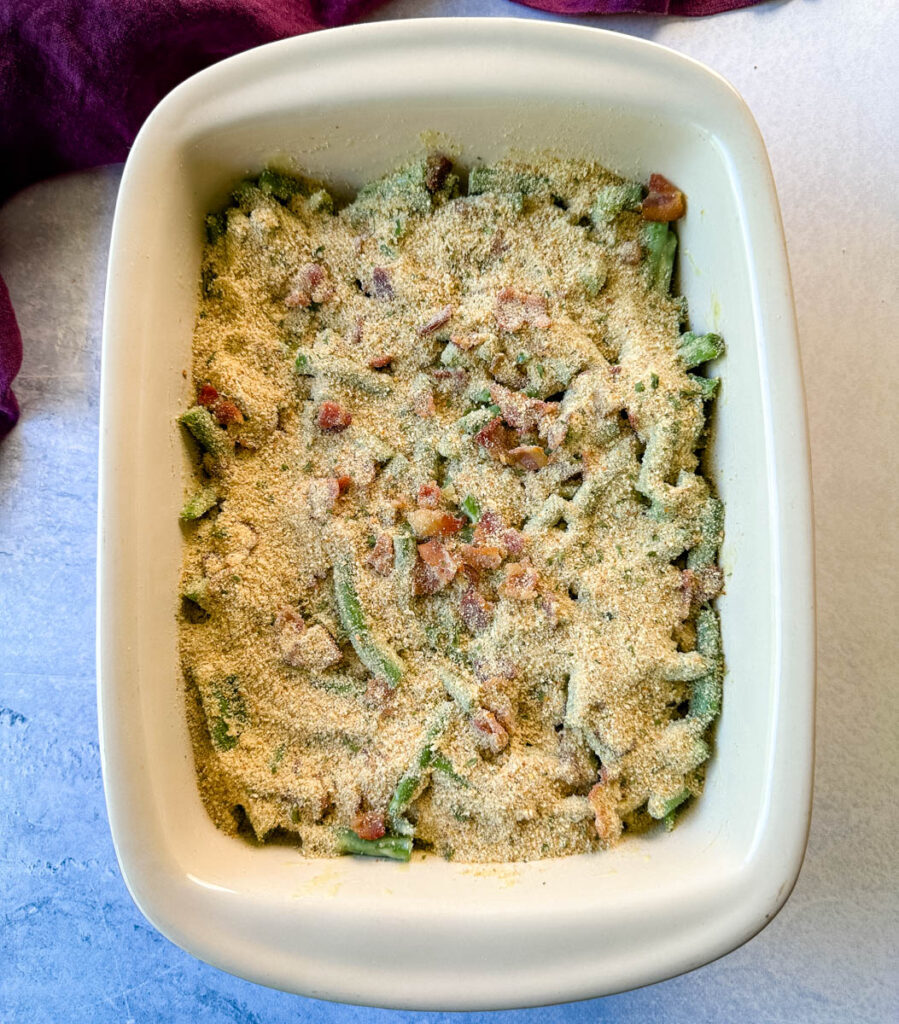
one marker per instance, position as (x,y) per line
(282,186)
(389,847)
(612,199)
(375,655)
(200,503)
(705,696)
(711,533)
(660,245)
(209,436)
(442,764)
(197,591)
(341,371)
(415,775)
(471,508)
(693,349)
(706,386)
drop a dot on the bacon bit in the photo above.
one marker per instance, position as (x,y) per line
(603,799)
(499,668)
(436,322)
(553,609)
(290,619)
(476,610)
(488,732)
(499,245)
(494,438)
(555,434)
(482,556)
(452,380)
(424,406)
(429,495)
(436,570)
(520,583)
(379,362)
(528,456)
(332,416)
(356,333)
(472,573)
(437,170)
(427,522)
(380,558)
(343,484)
(700,585)
(380,281)
(664,202)
(490,528)
(515,309)
(207,396)
(227,412)
(522,412)
(630,252)
(310,285)
(369,825)
(313,649)
(494,699)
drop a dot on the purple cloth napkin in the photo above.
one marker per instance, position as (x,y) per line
(78,78)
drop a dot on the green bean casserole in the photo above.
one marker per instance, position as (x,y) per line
(449,558)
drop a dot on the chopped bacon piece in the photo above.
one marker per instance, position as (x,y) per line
(381,283)
(555,434)
(429,495)
(207,396)
(476,610)
(380,558)
(310,285)
(489,734)
(427,522)
(520,583)
(700,585)
(604,797)
(379,362)
(515,309)
(312,649)
(494,438)
(289,619)
(437,170)
(436,570)
(482,556)
(499,668)
(452,380)
(436,322)
(471,572)
(332,416)
(356,332)
(491,529)
(423,405)
(664,202)
(521,411)
(528,456)
(227,412)
(553,609)
(369,825)
(343,484)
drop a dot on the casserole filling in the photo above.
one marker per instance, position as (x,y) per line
(449,559)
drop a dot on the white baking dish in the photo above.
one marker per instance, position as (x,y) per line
(348,105)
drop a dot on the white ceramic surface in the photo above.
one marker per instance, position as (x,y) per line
(347,105)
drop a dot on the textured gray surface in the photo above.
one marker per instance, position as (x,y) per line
(821,80)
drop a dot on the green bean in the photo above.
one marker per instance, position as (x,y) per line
(282,186)
(209,436)
(505,179)
(463,691)
(472,421)
(471,508)
(414,776)
(215,224)
(389,847)
(341,371)
(711,533)
(405,555)
(197,591)
(377,656)
(693,349)
(660,245)
(200,503)
(706,386)
(612,199)
(663,808)
(705,695)
(443,764)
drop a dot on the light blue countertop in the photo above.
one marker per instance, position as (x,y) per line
(73,947)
